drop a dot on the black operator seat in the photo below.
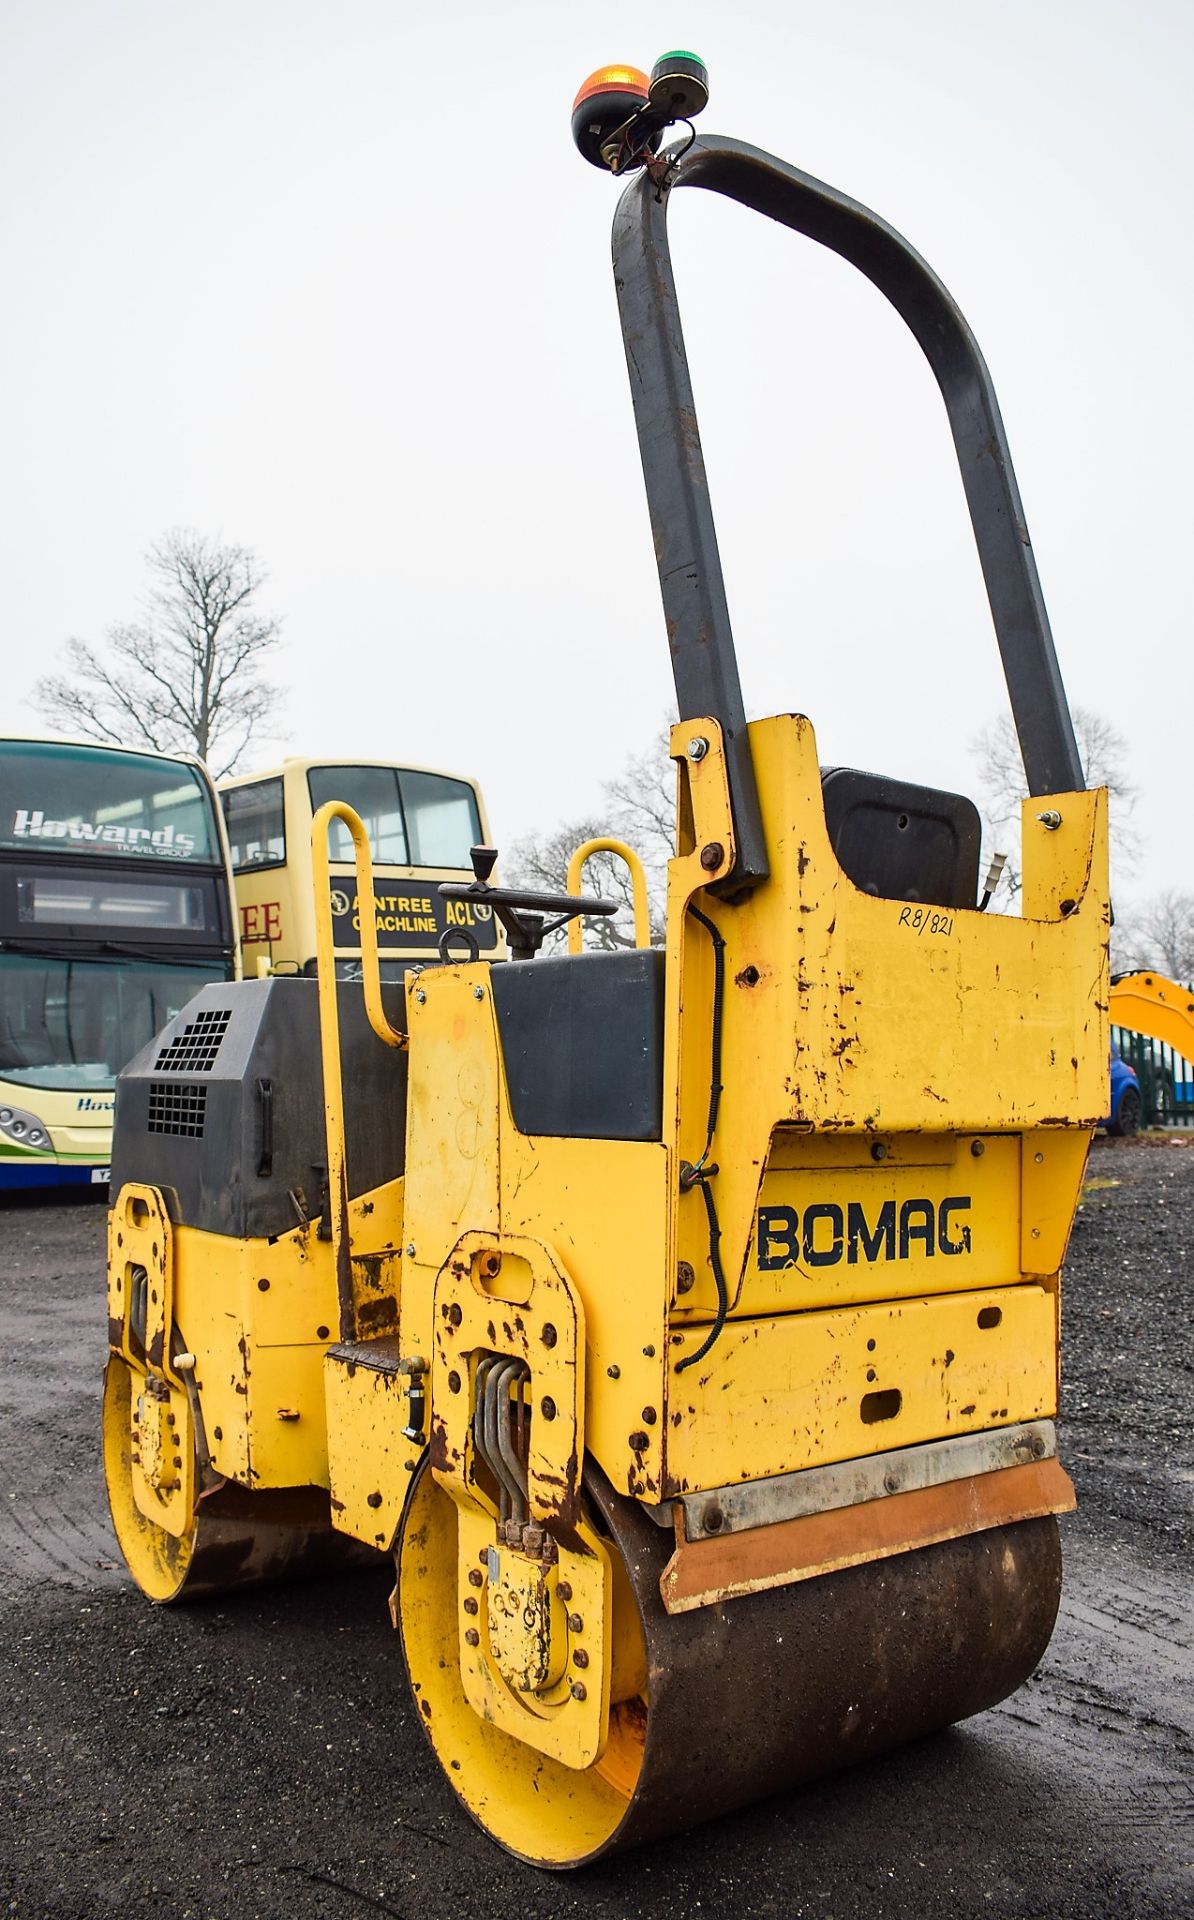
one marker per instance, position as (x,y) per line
(901,841)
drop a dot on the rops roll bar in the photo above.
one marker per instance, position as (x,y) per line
(704,664)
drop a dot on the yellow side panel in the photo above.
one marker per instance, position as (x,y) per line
(809,1389)
(369,1461)
(257,1315)
(602,1207)
(832,1235)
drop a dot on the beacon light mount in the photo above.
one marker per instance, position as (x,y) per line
(620,114)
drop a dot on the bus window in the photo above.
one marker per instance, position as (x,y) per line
(412,819)
(441,820)
(256,824)
(373,793)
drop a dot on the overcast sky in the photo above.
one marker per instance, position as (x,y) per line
(332,282)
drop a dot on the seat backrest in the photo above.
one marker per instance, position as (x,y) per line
(901,841)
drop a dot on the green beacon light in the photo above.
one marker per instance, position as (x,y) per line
(679,85)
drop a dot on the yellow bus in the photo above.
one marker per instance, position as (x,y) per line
(421,825)
(115,908)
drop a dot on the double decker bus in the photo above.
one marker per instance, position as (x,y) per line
(420,824)
(115,907)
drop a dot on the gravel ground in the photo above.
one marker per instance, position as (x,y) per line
(258,1758)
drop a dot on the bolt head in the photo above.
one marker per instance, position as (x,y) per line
(579,1690)
(420,997)
(410,1249)
(575,1623)
(564,1589)
(697,747)
(580,1658)
(478,993)
(712,855)
(472,1637)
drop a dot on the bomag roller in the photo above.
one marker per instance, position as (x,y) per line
(683,1321)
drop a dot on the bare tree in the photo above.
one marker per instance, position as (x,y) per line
(641,810)
(1158,934)
(1104,753)
(187,676)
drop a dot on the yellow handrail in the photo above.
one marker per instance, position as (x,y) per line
(638,882)
(329,1023)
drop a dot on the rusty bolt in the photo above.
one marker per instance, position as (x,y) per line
(455,1313)
(575,1623)
(564,1589)
(878,1151)
(638,1441)
(649,1416)
(580,1658)
(473,1637)
(321,1333)
(685,1278)
(579,1690)
(217,1433)
(547,1407)
(891,1482)
(263,1286)
(475,1577)
(550,1335)
(614,1372)
(374,1500)
(177,1461)
(470,1605)
(977,1149)
(714,1520)
(712,855)
(453,1382)
(649,1352)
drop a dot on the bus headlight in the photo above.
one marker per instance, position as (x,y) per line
(25,1127)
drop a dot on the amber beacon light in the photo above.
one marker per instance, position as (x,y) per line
(620,114)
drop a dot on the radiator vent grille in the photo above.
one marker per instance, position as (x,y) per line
(194,1050)
(177,1108)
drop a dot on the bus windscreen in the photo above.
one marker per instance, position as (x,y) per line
(412,819)
(61,799)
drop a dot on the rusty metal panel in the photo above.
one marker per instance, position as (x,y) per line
(786,1496)
(708,1572)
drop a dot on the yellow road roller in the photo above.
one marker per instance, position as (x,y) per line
(684,1321)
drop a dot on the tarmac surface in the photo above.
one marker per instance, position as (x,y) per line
(258,1757)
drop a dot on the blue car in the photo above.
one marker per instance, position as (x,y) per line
(1124,1117)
